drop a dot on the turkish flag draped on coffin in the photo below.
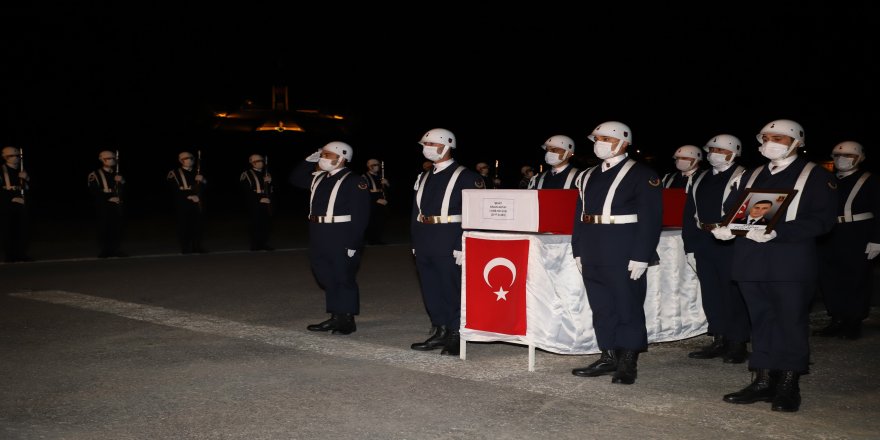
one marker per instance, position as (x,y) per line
(495,273)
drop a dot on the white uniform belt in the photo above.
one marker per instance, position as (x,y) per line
(329,218)
(436,219)
(609,219)
(855,217)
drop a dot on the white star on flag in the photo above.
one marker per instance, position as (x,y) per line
(502,294)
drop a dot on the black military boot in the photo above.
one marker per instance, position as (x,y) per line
(762,389)
(606,364)
(788,392)
(736,353)
(717,348)
(438,335)
(852,329)
(834,328)
(325,326)
(451,345)
(627,367)
(344,324)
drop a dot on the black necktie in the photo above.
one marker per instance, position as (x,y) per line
(751,221)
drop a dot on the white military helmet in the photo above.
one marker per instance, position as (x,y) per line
(439,136)
(615,129)
(727,142)
(560,141)
(688,151)
(785,127)
(340,148)
(849,147)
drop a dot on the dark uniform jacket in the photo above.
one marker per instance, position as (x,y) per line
(556,181)
(440,239)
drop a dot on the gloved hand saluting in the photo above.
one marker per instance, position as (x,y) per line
(872,250)
(723,233)
(759,235)
(314,157)
(637,269)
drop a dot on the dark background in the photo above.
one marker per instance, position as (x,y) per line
(147,81)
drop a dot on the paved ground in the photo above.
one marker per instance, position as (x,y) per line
(214,346)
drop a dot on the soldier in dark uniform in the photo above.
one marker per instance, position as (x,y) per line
(256,185)
(379,203)
(687,163)
(13,206)
(106,187)
(188,187)
(618,221)
(711,259)
(488,181)
(561,173)
(526,173)
(776,270)
(436,238)
(339,212)
(846,272)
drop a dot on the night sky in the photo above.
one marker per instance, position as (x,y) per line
(77,80)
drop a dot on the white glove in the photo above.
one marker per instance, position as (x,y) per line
(692,261)
(637,269)
(314,157)
(350,252)
(459,256)
(723,233)
(872,250)
(759,235)
(580,266)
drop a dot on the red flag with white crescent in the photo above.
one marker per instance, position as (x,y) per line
(495,274)
(741,212)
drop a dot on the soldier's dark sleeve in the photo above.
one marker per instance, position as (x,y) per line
(301,175)
(650,211)
(872,191)
(360,205)
(689,229)
(578,212)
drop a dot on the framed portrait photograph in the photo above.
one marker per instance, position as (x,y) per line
(758,208)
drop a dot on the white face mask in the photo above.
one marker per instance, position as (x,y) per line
(716,159)
(431,153)
(552,158)
(602,150)
(773,150)
(326,164)
(843,163)
(683,164)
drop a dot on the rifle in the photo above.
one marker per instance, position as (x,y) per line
(198,185)
(115,182)
(21,182)
(267,186)
(382,180)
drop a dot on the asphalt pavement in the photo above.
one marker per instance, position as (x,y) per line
(168,346)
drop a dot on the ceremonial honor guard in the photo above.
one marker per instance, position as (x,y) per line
(617,227)
(711,259)
(339,211)
(13,206)
(561,173)
(256,185)
(379,207)
(106,186)
(436,238)
(188,187)
(687,162)
(777,270)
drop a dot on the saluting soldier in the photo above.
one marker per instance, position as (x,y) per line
(106,187)
(617,228)
(188,188)
(561,173)
(339,211)
(13,206)
(436,238)
(259,192)
(846,253)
